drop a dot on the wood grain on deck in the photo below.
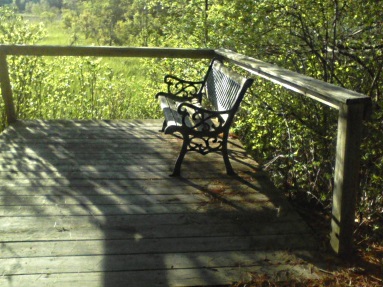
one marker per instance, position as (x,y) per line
(91,203)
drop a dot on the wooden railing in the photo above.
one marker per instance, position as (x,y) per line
(353,108)
(80,51)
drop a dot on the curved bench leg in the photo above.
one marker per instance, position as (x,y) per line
(164,124)
(229,168)
(177,166)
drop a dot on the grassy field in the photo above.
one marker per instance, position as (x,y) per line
(80,87)
(58,35)
(87,87)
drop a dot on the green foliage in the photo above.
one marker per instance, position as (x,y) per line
(334,41)
(78,88)
(292,137)
(13,30)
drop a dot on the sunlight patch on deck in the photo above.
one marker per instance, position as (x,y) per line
(91,203)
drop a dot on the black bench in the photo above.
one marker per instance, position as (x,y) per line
(202,112)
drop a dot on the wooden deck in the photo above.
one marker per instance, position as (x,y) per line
(90,203)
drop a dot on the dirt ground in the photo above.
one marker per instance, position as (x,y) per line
(364,268)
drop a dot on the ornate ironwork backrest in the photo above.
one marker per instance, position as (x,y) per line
(225,89)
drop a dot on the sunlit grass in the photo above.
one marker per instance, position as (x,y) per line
(56,35)
(133,73)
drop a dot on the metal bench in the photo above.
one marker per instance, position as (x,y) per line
(202,112)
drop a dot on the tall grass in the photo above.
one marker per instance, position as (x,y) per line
(87,87)
(56,35)
(84,87)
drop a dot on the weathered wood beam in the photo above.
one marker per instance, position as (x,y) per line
(6,89)
(326,93)
(346,178)
(32,50)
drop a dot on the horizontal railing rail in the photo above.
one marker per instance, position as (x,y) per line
(323,92)
(106,51)
(353,109)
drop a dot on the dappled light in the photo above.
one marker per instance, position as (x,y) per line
(92,201)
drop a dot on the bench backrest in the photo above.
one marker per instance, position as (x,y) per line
(225,88)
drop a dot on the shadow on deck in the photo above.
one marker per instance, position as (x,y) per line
(90,203)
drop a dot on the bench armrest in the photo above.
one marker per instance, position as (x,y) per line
(186,90)
(173,97)
(204,120)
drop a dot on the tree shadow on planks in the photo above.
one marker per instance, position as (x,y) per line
(91,203)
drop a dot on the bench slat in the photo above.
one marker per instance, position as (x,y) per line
(169,108)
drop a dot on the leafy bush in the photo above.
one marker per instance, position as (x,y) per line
(334,41)
(292,137)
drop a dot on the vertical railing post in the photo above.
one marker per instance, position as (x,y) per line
(6,89)
(346,178)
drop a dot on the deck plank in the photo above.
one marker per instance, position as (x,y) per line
(89,247)
(91,203)
(158,278)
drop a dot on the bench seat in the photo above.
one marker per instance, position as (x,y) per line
(202,112)
(176,122)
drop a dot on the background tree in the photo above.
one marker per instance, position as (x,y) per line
(5,2)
